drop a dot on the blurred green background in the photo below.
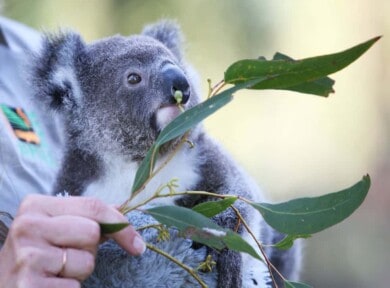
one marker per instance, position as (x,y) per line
(293,144)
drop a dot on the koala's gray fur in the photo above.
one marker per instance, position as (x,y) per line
(110,125)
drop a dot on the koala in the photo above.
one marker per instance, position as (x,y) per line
(115,96)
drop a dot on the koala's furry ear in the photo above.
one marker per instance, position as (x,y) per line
(54,70)
(167,32)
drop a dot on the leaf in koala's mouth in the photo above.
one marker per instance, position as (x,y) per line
(166,114)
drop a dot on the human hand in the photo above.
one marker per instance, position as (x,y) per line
(53,241)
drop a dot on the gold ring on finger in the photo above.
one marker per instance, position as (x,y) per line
(64,260)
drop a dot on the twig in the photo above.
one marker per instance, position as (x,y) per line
(217,88)
(271,267)
(177,262)
(157,195)
(155,226)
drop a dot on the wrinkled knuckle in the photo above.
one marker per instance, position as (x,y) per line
(25,257)
(22,226)
(94,206)
(28,204)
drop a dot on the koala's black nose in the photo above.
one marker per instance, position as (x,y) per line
(174,79)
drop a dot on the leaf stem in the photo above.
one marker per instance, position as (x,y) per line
(217,88)
(210,89)
(177,262)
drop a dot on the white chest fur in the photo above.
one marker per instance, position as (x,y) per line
(114,186)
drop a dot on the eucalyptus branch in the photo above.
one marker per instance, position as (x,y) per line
(170,185)
(155,226)
(172,193)
(124,207)
(271,267)
(289,75)
(210,194)
(177,262)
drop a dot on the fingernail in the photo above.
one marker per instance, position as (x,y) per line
(139,245)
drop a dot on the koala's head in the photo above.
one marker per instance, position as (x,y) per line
(115,94)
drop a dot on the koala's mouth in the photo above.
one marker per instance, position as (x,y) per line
(165,114)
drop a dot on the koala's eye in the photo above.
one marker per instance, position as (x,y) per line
(133,78)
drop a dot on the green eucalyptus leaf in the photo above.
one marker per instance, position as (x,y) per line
(190,224)
(200,229)
(144,169)
(284,74)
(310,215)
(180,125)
(212,208)
(109,228)
(197,114)
(289,284)
(234,242)
(288,241)
(320,87)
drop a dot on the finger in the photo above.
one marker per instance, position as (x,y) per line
(35,281)
(57,283)
(76,264)
(88,207)
(54,261)
(65,231)
(72,231)
(130,240)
